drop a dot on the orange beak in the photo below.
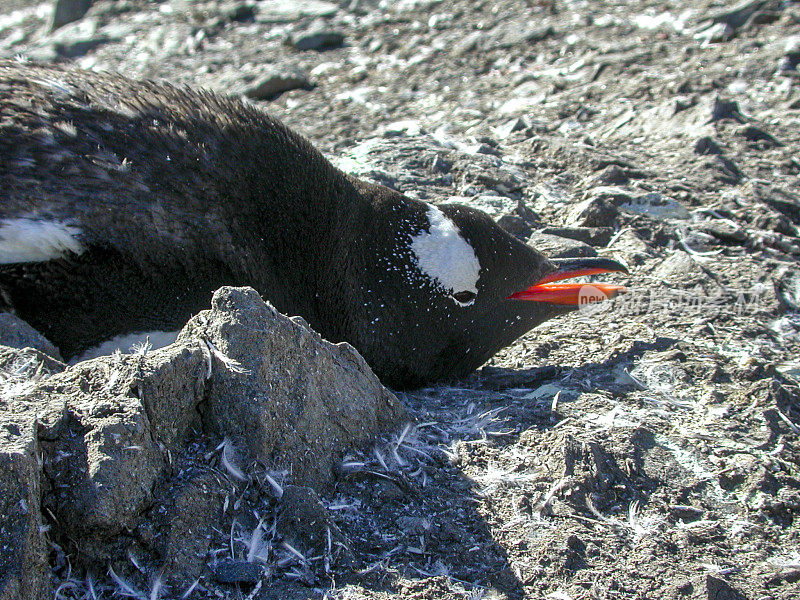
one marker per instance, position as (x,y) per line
(574,294)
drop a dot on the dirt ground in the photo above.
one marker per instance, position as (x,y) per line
(648,449)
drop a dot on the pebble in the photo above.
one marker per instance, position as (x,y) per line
(707,145)
(239,12)
(404,127)
(594,236)
(613,175)
(318,37)
(724,230)
(554,246)
(509,34)
(67,11)
(505,130)
(238,571)
(726,109)
(596,211)
(275,81)
(280,11)
(78,38)
(791,56)
(719,589)
(755,134)
(655,205)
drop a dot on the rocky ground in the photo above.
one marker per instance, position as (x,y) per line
(645,450)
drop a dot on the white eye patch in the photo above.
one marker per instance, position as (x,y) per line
(444,256)
(32,240)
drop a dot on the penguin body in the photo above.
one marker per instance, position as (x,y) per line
(124,205)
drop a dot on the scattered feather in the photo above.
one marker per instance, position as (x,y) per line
(123,587)
(231,364)
(228,461)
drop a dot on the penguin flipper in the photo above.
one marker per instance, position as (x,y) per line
(79,301)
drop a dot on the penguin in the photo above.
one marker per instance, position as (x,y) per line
(124,204)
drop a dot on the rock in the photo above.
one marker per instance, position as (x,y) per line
(656,206)
(16,333)
(77,39)
(118,420)
(185,514)
(405,127)
(739,15)
(406,166)
(757,135)
(76,48)
(724,230)
(239,12)
(631,247)
(505,130)
(439,165)
(483,148)
(553,246)
(488,171)
(597,210)
(594,236)
(113,432)
(612,175)
(304,522)
(679,270)
(24,570)
(440,21)
(67,11)
(781,200)
(512,215)
(685,513)
(715,33)
(280,11)
(719,589)
(509,34)
(724,170)
(470,42)
(282,392)
(723,108)
(274,82)
(791,57)
(238,571)
(21,367)
(707,145)
(788,291)
(318,37)
(683,103)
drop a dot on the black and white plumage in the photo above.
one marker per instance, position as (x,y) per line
(124,204)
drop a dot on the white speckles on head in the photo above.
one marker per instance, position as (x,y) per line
(446,257)
(25,240)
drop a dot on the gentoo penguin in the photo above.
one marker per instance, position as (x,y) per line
(124,204)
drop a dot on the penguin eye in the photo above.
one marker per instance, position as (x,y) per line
(465,297)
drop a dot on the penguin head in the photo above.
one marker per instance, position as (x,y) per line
(455,288)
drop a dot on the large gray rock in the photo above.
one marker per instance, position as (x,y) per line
(16,333)
(123,438)
(282,392)
(24,572)
(123,417)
